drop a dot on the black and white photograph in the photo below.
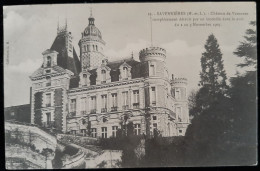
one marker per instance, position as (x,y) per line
(130,85)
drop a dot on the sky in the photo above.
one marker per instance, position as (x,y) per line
(126,28)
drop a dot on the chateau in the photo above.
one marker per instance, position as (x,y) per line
(90,93)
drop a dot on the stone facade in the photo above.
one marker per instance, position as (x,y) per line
(97,95)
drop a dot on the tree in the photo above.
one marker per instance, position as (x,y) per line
(247,49)
(243,94)
(213,74)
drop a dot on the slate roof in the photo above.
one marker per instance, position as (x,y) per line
(63,60)
(40,71)
(136,66)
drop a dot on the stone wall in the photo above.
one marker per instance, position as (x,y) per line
(74,161)
(107,159)
(32,134)
(34,159)
(58,116)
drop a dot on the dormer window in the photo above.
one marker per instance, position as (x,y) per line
(125,73)
(103,73)
(85,79)
(48,61)
(47,71)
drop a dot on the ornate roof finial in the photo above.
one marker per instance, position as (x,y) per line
(91,18)
(90,11)
(66,22)
(58,26)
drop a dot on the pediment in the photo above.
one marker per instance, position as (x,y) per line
(125,65)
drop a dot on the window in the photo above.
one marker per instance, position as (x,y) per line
(85,79)
(180,131)
(48,118)
(104,103)
(114,102)
(104,132)
(153,96)
(93,79)
(88,48)
(48,81)
(47,71)
(83,132)
(125,100)
(154,117)
(48,100)
(48,61)
(96,48)
(93,47)
(83,105)
(137,129)
(136,99)
(114,130)
(85,48)
(73,106)
(93,104)
(94,132)
(103,73)
(177,94)
(125,73)
(178,111)
(152,70)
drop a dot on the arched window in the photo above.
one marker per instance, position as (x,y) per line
(93,47)
(103,74)
(85,79)
(125,73)
(48,61)
(96,48)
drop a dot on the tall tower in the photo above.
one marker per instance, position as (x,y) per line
(91,46)
(179,90)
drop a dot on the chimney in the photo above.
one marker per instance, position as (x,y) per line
(172,77)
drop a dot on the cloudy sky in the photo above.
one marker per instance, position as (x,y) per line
(125,28)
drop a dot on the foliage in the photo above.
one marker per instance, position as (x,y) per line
(102,164)
(213,74)
(224,128)
(247,49)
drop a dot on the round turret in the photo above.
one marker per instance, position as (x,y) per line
(179,82)
(179,87)
(152,53)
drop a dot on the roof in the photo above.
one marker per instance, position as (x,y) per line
(63,60)
(136,70)
(55,69)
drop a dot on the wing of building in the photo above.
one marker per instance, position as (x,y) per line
(91,95)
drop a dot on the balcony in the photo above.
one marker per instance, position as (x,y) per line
(125,107)
(48,105)
(83,112)
(135,105)
(92,111)
(48,124)
(114,108)
(103,110)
